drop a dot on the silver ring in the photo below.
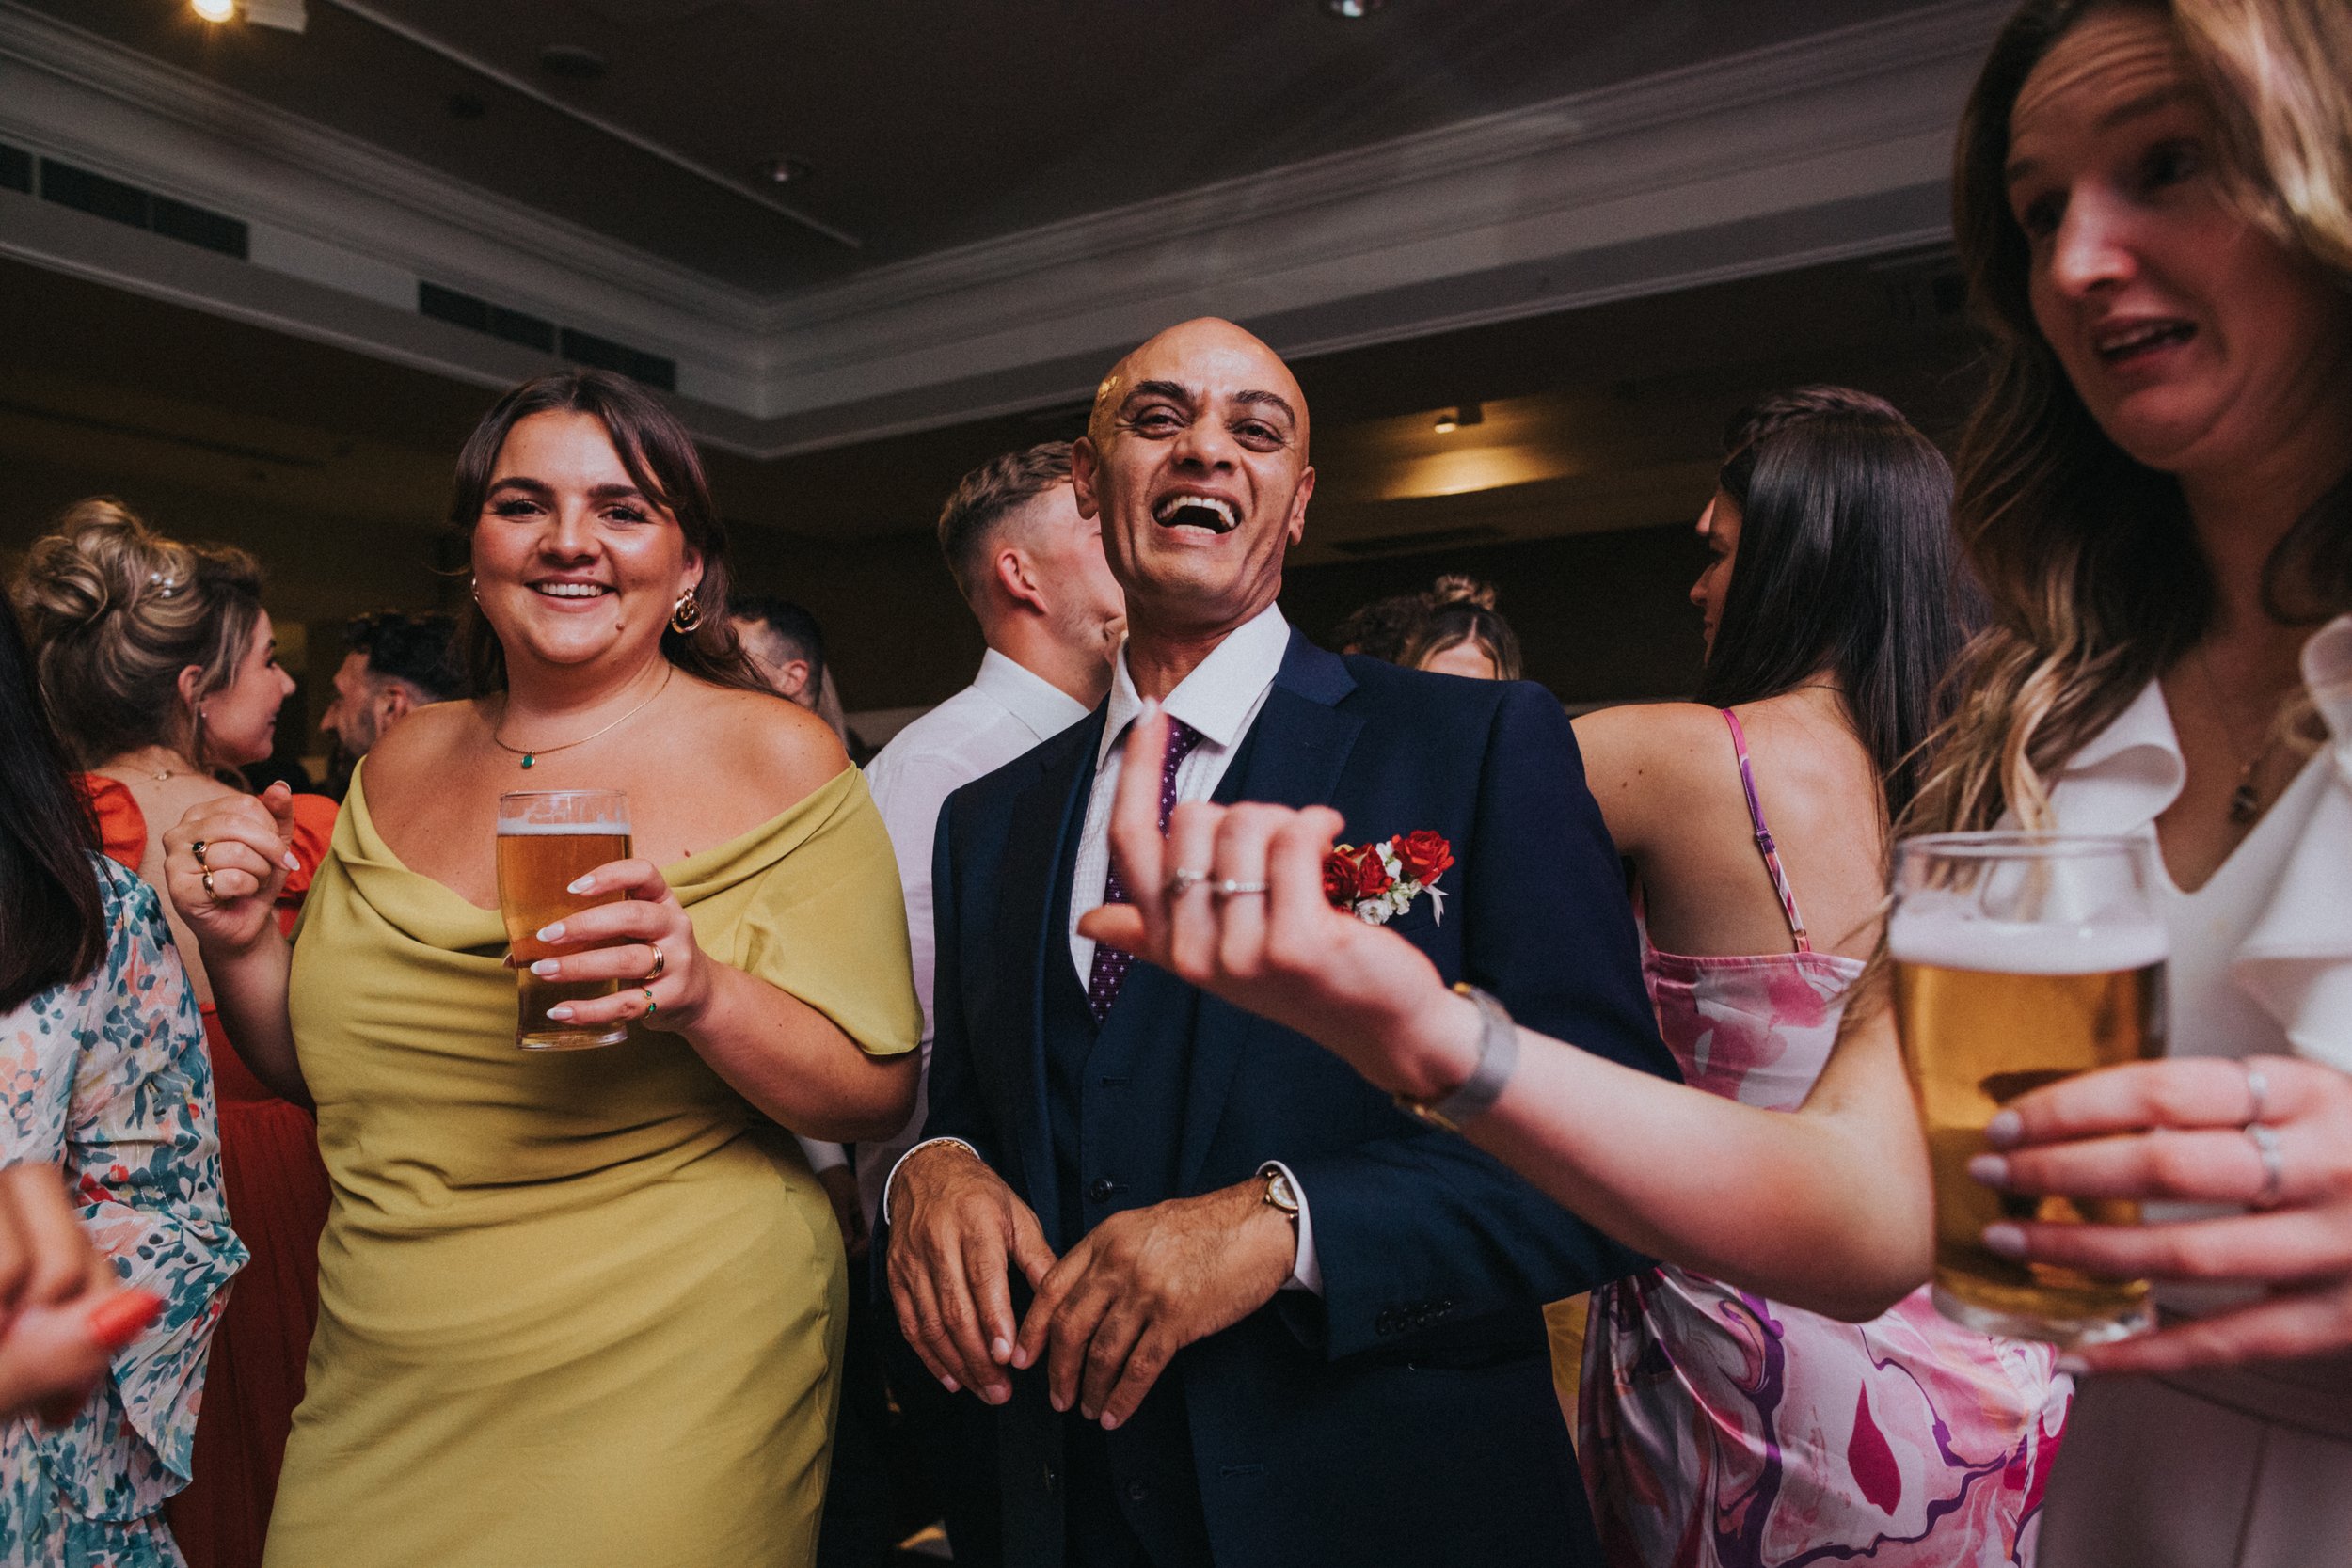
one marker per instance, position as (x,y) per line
(2257,1092)
(2266,1140)
(1229,888)
(1181,882)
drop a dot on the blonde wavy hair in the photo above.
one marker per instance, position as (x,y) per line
(115,611)
(2094,576)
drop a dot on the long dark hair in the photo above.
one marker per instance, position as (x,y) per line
(1846,566)
(52,927)
(660,458)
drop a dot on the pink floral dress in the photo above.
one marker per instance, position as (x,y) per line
(1719,1428)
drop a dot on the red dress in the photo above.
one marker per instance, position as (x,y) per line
(277,1192)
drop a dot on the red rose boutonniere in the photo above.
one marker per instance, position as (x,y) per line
(1376,883)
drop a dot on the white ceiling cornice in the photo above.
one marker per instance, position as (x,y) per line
(1803,151)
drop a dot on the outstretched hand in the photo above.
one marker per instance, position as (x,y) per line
(2177,1131)
(62,1311)
(225,861)
(1250,924)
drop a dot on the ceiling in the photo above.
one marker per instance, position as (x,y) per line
(922,124)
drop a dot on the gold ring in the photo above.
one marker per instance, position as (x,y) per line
(198,850)
(650,1004)
(660,962)
(208,885)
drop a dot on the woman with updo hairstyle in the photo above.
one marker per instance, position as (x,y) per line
(575,1306)
(160,663)
(1459,632)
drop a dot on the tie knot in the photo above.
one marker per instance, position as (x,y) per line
(1181,739)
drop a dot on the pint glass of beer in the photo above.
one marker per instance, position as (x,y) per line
(2021,959)
(548,839)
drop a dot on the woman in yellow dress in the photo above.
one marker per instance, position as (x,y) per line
(575,1307)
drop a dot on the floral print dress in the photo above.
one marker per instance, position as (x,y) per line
(1721,1430)
(107,1075)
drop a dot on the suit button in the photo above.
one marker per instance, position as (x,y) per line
(1137,1491)
(1101,1190)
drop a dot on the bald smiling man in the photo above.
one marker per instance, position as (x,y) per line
(1232,1304)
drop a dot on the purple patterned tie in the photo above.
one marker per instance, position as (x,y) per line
(1110,964)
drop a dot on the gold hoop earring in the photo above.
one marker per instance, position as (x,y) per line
(688,615)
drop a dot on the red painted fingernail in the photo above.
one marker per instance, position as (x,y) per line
(115,1321)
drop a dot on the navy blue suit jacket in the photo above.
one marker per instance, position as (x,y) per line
(1408,1415)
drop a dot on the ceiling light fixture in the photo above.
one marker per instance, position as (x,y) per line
(1353,11)
(213,10)
(1454,419)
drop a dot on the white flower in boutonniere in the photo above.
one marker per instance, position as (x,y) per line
(1379,881)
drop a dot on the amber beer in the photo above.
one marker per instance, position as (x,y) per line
(2019,960)
(547,840)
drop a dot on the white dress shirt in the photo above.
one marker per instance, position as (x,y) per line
(1007,710)
(1221,699)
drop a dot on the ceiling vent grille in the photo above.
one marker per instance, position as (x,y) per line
(536,332)
(120,202)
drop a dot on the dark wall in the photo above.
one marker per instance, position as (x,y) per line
(1601,616)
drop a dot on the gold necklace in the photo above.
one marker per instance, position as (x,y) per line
(535,752)
(2245,802)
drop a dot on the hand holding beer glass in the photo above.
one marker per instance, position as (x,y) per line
(2019,960)
(548,839)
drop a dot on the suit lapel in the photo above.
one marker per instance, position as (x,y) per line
(1048,816)
(1294,756)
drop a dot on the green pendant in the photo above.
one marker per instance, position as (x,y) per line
(526,759)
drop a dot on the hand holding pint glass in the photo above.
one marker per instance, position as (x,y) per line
(2019,960)
(548,839)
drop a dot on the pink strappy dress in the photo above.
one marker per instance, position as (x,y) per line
(1719,1428)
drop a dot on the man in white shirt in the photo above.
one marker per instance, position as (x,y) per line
(1277,1322)
(1052,615)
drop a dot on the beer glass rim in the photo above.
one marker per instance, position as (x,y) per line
(2010,843)
(559,794)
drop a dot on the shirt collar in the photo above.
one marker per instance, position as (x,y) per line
(1220,695)
(1044,709)
(2122,778)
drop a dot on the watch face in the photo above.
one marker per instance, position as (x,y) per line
(1279,1193)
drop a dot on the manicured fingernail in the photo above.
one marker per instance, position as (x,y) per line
(2073,1366)
(1991,1170)
(545,968)
(561,1012)
(551,933)
(289,861)
(582,885)
(2005,1128)
(2006,1240)
(1000,1348)
(118,1320)
(950,1385)
(1060,1403)
(1110,1423)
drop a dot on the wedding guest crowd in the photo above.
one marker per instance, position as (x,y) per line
(1167,1086)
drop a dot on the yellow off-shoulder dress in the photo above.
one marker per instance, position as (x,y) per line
(582,1307)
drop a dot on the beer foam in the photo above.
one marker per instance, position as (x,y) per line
(559,830)
(1951,940)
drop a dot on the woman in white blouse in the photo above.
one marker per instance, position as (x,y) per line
(2154,203)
